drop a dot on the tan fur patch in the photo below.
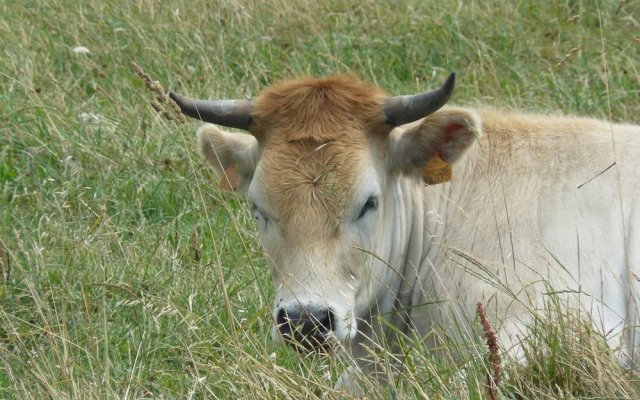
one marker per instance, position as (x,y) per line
(314,134)
(229,182)
(309,183)
(318,109)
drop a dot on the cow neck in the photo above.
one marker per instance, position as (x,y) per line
(407,219)
(441,203)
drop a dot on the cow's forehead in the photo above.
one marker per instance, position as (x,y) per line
(311,184)
(317,138)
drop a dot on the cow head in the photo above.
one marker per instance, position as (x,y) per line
(319,166)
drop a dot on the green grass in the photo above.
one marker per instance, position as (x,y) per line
(127,274)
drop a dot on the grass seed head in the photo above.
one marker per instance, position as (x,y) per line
(162,101)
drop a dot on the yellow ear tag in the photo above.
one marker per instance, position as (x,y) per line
(436,170)
(230,179)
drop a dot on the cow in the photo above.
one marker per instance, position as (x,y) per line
(389,215)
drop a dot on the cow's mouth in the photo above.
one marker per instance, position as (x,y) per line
(318,343)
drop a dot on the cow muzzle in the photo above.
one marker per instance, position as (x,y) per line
(307,328)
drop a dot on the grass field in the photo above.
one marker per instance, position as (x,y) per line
(125,273)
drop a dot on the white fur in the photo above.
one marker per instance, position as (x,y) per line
(521,218)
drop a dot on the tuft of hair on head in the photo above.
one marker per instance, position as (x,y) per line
(318,108)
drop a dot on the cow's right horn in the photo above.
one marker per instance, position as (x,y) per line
(229,113)
(401,110)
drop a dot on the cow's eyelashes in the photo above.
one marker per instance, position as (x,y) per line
(258,214)
(370,205)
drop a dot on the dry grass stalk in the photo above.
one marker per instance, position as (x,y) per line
(493,376)
(5,262)
(568,55)
(620,5)
(162,99)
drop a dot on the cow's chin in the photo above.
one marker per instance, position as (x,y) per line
(343,333)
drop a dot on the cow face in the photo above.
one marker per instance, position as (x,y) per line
(318,211)
(320,168)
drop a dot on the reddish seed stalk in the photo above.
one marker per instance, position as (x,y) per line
(493,376)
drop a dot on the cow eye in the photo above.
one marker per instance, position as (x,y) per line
(371,204)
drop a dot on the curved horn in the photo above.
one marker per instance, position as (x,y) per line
(229,113)
(404,109)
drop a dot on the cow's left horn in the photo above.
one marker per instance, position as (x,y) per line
(229,113)
(404,109)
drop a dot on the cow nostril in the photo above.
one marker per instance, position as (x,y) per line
(282,318)
(308,326)
(325,320)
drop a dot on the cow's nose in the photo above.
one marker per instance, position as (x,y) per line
(306,326)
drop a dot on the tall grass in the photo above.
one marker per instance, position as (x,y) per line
(125,273)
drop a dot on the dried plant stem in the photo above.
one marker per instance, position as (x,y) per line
(5,262)
(567,56)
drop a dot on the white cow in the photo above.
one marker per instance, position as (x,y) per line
(333,167)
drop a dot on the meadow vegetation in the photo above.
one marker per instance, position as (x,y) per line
(126,273)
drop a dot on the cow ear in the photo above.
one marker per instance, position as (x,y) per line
(234,156)
(430,146)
